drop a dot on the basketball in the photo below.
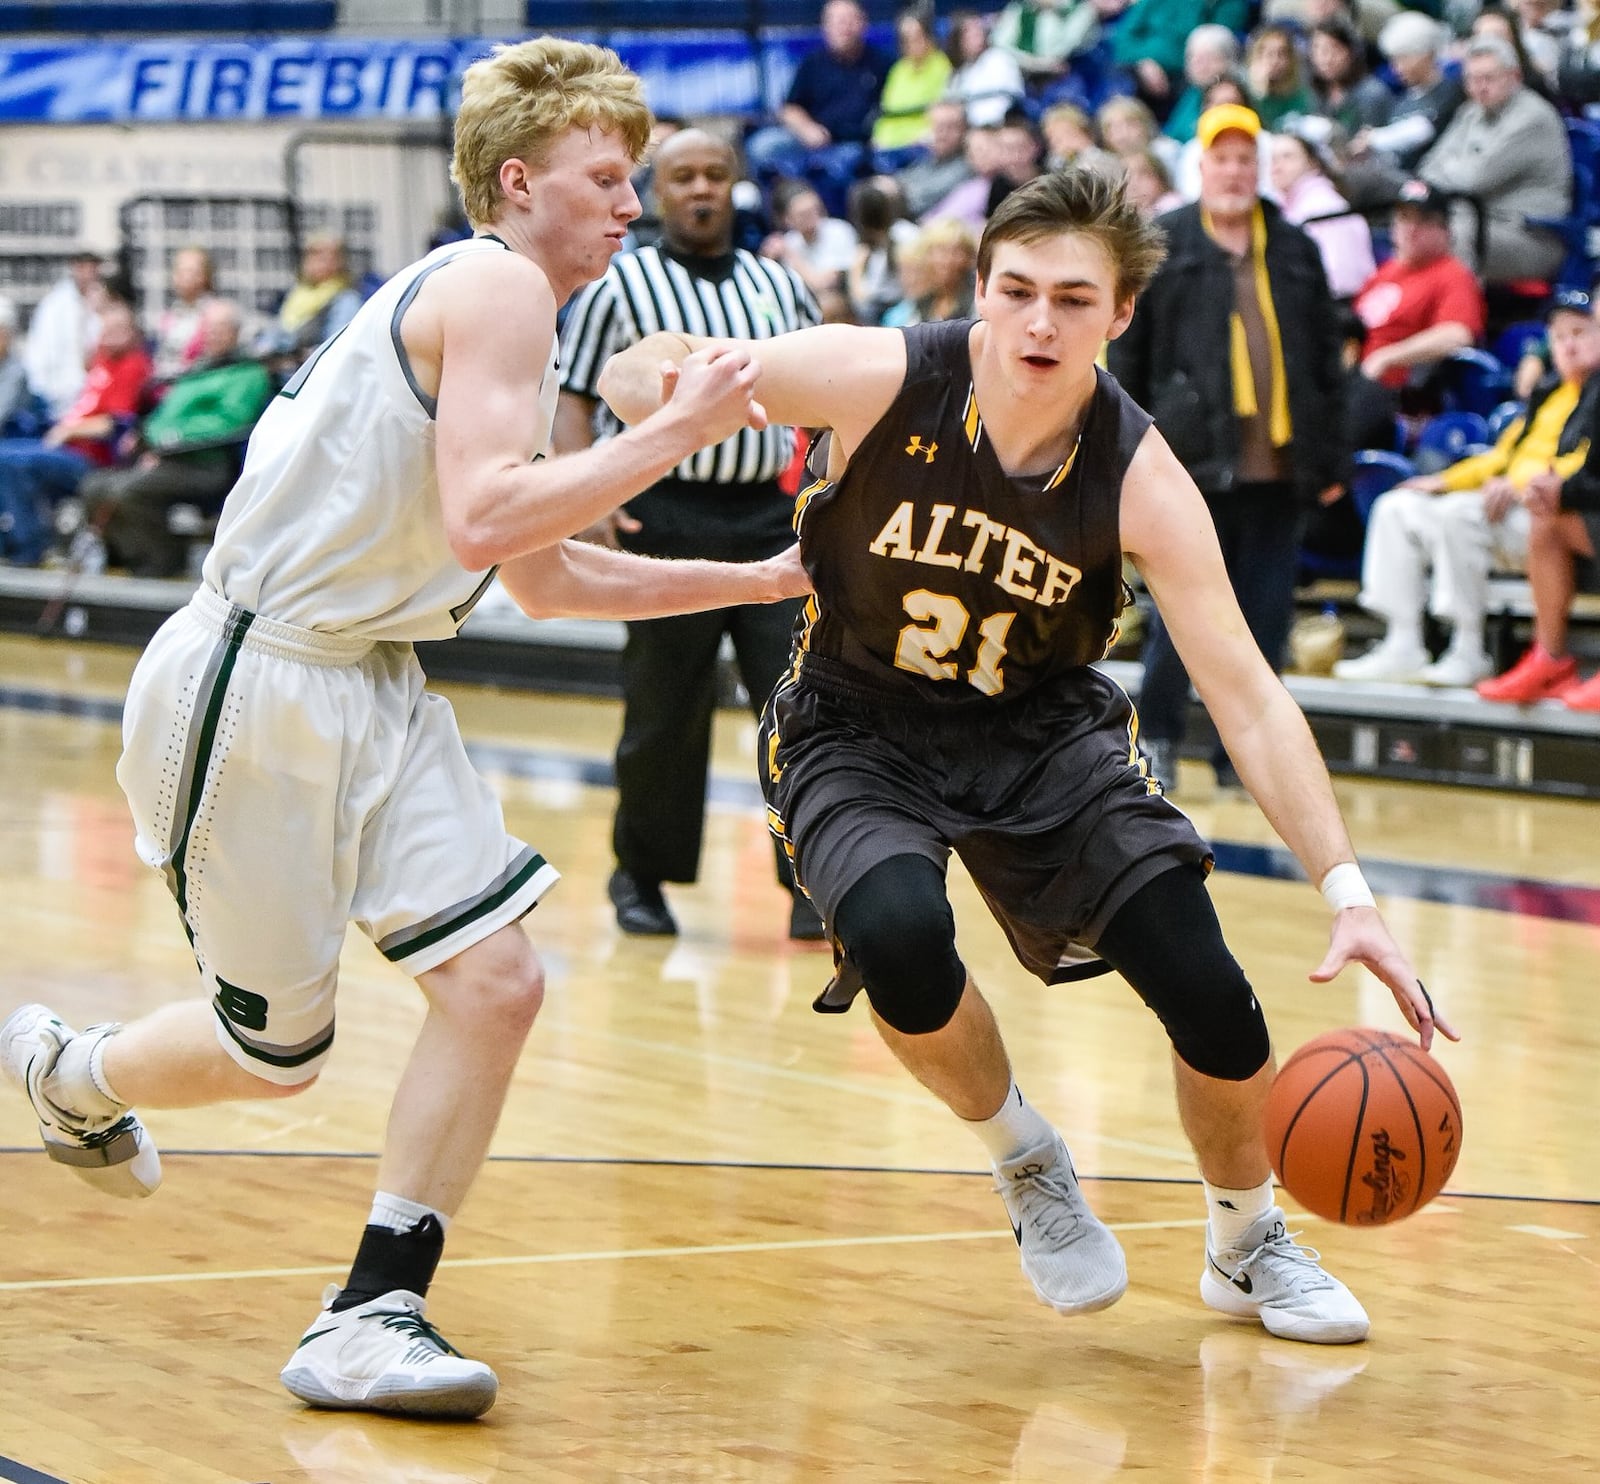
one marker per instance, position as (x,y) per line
(1362,1127)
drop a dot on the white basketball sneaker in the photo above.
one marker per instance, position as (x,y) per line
(1269,1276)
(116,1154)
(1069,1255)
(384,1356)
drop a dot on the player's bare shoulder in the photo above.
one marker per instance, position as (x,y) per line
(483,300)
(842,377)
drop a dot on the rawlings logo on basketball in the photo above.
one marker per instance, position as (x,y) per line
(1390,1185)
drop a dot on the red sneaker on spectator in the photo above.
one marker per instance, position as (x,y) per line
(1584,696)
(1537,676)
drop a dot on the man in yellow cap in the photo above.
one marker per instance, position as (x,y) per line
(1235,353)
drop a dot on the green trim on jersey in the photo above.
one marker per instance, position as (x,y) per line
(398,947)
(238,625)
(273,1058)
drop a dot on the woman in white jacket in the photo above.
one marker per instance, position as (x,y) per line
(1308,197)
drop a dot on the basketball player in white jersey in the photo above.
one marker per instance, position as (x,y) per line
(287,769)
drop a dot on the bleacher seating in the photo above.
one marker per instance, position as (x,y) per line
(1474,381)
(154,17)
(1449,436)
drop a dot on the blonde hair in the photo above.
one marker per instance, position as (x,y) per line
(518,101)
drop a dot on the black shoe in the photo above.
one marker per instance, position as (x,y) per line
(641,909)
(805,926)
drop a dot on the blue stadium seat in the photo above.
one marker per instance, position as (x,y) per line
(1517,340)
(1449,436)
(1502,418)
(1473,381)
(1376,470)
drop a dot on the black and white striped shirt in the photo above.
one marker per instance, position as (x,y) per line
(650,289)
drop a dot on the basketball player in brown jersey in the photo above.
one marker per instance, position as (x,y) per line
(964,529)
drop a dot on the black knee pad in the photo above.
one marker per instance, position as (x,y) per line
(1166,942)
(897,928)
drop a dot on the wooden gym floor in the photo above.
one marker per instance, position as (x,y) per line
(722,1238)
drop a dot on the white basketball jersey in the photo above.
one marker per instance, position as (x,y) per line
(335,523)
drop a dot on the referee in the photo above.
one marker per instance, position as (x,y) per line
(723,503)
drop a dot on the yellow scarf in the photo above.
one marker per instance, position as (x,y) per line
(1244,380)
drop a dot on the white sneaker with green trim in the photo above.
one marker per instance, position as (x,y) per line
(116,1155)
(384,1356)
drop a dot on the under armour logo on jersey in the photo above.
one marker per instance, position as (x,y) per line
(915,446)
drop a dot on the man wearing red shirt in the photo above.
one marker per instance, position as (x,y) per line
(1419,307)
(37,473)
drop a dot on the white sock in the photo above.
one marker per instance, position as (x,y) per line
(77,1084)
(1016,1127)
(399,1215)
(1233,1212)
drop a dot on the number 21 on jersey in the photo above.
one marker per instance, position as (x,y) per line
(940,626)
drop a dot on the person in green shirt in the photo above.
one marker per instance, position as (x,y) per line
(192,445)
(1273,72)
(915,81)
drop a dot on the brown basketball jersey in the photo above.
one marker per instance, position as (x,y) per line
(937,574)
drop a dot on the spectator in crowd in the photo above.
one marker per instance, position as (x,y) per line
(826,120)
(178,333)
(322,301)
(16,397)
(1070,142)
(877,212)
(1562,544)
(986,80)
(1149,185)
(722,502)
(949,252)
(1468,520)
(1302,182)
(944,165)
(1343,88)
(968,203)
(1506,151)
(1538,46)
(1044,35)
(63,332)
(1210,54)
(817,247)
(1420,307)
(1274,77)
(915,82)
(36,474)
(1235,353)
(189,451)
(1226,90)
(914,283)
(1501,24)
(1381,158)
(1127,126)
(1150,41)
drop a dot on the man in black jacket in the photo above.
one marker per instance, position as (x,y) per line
(1234,350)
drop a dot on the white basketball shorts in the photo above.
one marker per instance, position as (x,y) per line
(288,783)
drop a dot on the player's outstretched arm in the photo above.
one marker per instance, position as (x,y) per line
(576,579)
(829,376)
(481,332)
(1168,533)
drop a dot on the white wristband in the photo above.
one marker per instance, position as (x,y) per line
(1345,886)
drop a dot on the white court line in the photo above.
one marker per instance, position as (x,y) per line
(534,1259)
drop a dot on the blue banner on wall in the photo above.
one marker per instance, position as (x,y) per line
(355,78)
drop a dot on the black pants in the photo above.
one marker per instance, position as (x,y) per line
(669,671)
(136,527)
(1260,527)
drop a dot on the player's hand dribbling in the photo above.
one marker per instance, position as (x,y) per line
(1359,936)
(713,388)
